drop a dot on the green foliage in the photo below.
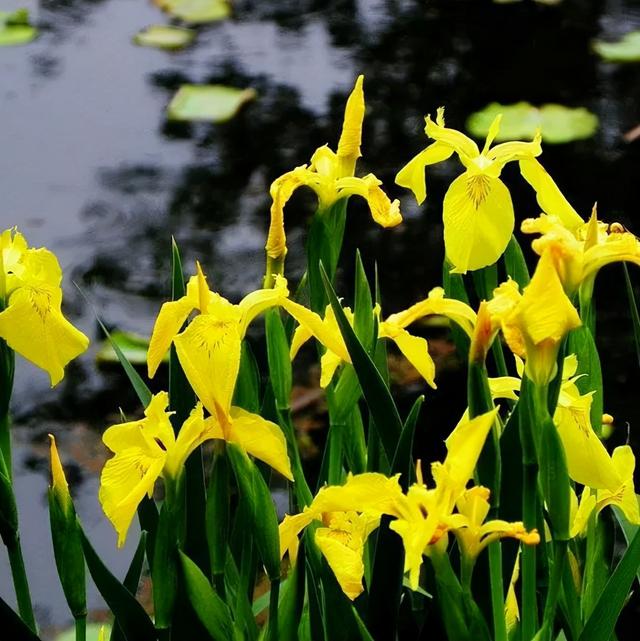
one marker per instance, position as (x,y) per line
(211,103)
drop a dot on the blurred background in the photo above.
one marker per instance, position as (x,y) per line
(91,167)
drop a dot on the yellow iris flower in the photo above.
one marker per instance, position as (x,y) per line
(145,450)
(535,322)
(331,176)
(477,210)
(422,516)
(579,253)
(474,534)
(414,348)
(31,321)
(209,352)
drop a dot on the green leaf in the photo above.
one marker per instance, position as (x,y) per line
(292,600)
(132,579)
(211,103)
(376,393)
(217,514)
(13,626)
(247,390)
(163,36)
(15,28)
(133,620)
(210,608)
(633,309)
(402,459)
(602,622)
(196,11)
(557,123)
(133,346)
(515,264)
(627,49)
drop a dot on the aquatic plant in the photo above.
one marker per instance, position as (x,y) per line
(489,543)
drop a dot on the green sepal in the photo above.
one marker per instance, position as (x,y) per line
(67,550)
(132,619)
(255,491)
(279,361)
(210,608)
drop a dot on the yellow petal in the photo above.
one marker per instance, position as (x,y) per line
(416,350)
(281,190)
(345,562)
(301,335)
(478,221)
(412,175)
(256,302)
(125,480)
(461,144)
(509,151)
(351,136)
(383,211)
(170,320)
(33,325)
(209,352)
(549,197)
(504,387)
(59,483)
(326,334)
(260,438)
(192,434)
(581,513)
(290,529)
(329,363)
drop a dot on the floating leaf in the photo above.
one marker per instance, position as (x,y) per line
(557,123)
(196,11)
(133,346)
(627,49)
(164,37)
(215,103)
(15,28)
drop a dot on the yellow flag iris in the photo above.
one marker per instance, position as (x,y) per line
(331,176)
(209,352)
(422,515)
(477,210)
(145,450)
(579,253)
(31,321)
(535,323)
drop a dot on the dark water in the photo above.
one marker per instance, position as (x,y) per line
(90,168)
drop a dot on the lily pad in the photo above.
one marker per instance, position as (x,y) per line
(133,346)
(627,49)
(15,28)
(164,37)
(213,103)
(558,124)
(196,11)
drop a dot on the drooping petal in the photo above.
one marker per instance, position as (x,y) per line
(478,221)
(33,325)
(625,496)
(346,563)
(254,303)
(329,363)
(517,150)
(414,348)
(126,479)
(412,174)
(260,438)
(301,335)
(383,211)
(192,434)
(290,529)
(209,352)
(170,320)
(281,190)
(549,197)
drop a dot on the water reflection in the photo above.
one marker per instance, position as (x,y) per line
(92,169)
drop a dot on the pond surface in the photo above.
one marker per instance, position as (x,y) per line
(91,168)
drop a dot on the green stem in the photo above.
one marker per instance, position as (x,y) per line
(554,589)
(529,508)
(273,610)
(81,628)
(5,442)
(20,582)
(497,591)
